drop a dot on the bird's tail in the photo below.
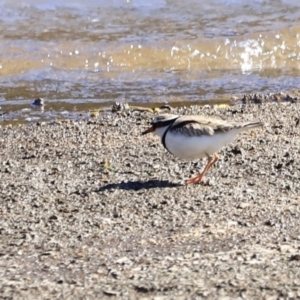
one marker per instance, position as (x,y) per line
(253,125)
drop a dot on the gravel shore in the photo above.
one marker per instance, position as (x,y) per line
(94,210)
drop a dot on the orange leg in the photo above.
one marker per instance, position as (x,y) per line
(211,160)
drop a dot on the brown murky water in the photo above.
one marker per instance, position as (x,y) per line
(82,55)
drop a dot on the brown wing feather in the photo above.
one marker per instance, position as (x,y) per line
(203,127)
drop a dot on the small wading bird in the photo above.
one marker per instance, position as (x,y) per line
(195,137)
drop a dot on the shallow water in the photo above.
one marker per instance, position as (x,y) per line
(80,55)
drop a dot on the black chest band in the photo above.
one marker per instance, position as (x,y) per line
(163,139)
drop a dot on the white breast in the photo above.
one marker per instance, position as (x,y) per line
(195,147)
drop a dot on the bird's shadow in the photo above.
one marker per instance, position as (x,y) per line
(139,185)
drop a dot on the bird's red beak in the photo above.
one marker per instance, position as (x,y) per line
(150,129)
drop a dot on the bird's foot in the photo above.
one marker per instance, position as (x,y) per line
(195,180)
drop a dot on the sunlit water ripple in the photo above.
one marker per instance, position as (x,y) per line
(80,55)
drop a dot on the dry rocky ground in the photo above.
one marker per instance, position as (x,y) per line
(95,210)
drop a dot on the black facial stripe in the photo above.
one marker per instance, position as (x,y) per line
(163,123)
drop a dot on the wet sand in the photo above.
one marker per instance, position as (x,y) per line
(92,209)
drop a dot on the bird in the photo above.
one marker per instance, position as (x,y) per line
(38,102)
(191,137)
